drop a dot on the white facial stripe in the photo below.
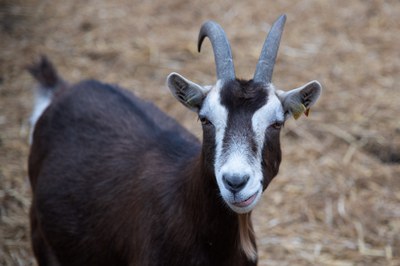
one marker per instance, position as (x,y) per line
(264,117)
(218,116)
(213,109)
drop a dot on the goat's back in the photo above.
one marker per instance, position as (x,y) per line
(91,168)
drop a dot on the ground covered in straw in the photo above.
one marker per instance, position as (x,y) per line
(336,200)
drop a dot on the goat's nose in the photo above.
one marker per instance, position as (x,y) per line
(235,183)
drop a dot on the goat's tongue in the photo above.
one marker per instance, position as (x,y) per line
(246,202)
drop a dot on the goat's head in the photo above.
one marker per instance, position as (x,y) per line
(242,119)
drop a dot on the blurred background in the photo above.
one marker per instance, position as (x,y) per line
(336,200)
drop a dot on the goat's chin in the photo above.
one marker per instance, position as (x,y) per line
(243,203)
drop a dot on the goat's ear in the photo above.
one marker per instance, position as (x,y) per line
(299,100)
(187,92)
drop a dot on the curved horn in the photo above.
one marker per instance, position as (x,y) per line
(266,62)
(222,50)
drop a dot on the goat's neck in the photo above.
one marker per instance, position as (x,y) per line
(202,197)
(210,212)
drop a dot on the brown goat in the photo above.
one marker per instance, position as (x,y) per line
(117,182)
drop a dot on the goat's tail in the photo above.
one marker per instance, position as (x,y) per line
(49,82)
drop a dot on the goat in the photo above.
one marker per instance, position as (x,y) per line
(116,181)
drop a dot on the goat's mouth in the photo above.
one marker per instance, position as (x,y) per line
(247,202)
(244,204)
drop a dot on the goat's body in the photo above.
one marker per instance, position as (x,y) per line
(117,182)
(97,203)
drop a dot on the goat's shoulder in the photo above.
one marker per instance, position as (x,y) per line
(102,121)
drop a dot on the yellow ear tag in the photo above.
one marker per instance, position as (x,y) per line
(299,110)
(307,112)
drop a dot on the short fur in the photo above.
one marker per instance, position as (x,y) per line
(242,98)
(117,182)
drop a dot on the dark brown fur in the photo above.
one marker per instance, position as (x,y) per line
(117,182)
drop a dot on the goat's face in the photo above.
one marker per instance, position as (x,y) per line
(242,119)
(241,126)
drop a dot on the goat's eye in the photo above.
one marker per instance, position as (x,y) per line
(204,120)
(277,125)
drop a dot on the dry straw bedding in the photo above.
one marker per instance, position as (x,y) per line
(336,200)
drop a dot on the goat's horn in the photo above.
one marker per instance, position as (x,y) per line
(266,62)
(221,48)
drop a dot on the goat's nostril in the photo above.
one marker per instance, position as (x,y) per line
(235,183)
